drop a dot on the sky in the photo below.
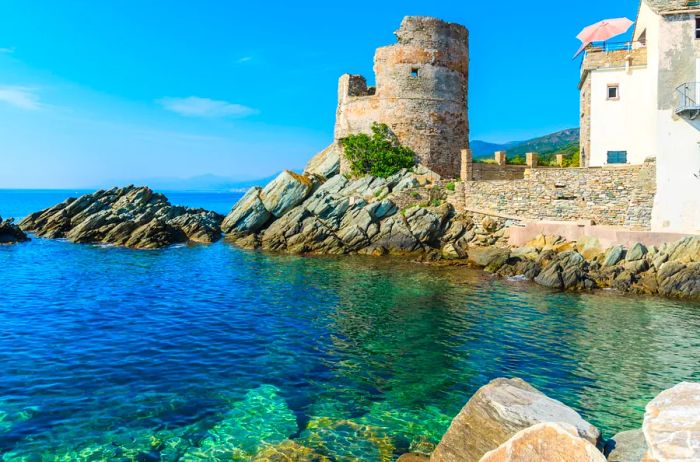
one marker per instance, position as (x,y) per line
(100,93)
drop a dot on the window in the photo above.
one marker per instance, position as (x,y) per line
(697,27)
(617,157)
(414,72)
(613,91)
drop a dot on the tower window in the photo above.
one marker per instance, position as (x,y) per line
(697,27)
(414,72)
(613,91)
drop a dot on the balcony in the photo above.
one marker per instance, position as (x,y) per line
(688,100)
(601,55)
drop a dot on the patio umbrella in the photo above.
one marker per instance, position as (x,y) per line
(602,31)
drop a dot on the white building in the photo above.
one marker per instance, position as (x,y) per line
(642,99)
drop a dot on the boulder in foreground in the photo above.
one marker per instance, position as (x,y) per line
(627,446)
(672,425)
(546,442)
(10,233)
(498,411)
(132,216)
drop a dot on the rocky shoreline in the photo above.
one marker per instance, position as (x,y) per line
(408,214)
(132,216)
(508,420)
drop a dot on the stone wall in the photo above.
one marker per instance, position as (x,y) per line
(421,93)
(621,196)
(491,172)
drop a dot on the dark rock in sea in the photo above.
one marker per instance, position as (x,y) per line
(132,216)
(10,233)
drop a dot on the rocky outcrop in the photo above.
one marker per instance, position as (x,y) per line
(627,446)
(326,213)
(325,164)
(545,442)
(672,425)
(498,411)
(672,269)
(10,233)
(132,216)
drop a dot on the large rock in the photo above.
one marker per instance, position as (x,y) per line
(677,279)
(132,216)
(491,258)
(326,163)
(10,233)
(285,192)
(627,446)
(545,442)
(249,214)
(498,411)
(672,425)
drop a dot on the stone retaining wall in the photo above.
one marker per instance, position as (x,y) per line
(619,196)
(490,172)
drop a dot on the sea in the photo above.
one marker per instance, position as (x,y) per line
(213,353)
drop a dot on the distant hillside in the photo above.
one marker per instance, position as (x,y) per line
(200,183)
(546,146)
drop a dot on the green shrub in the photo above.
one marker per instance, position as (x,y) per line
(450,186)
(379,154)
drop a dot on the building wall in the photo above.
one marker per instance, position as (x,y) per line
(621,196)
(623,124)
(585,121)
(421,93)
(677,206)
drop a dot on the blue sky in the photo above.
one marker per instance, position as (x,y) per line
(95,93)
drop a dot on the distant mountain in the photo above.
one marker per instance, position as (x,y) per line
(212,183)
(547,145)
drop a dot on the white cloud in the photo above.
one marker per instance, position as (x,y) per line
(244,59)
(7,50)
(21,97)
(194,106)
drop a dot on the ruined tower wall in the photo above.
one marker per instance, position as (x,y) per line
(421,93)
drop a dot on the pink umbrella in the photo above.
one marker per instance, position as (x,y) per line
(601,31)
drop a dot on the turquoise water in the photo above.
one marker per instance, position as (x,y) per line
(213,353)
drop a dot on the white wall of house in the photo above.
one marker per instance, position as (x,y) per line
(677,202)
(622,124)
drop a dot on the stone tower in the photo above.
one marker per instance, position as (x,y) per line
(421,93)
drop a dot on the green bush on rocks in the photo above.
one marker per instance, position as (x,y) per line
(380,154)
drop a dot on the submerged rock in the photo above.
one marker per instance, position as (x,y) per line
(672,425)
(132,217)
(262,418)
(10,233)
(498,411)
(545,442)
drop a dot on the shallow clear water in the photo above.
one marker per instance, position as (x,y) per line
(211,352)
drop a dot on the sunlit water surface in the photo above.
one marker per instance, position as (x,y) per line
(212,353)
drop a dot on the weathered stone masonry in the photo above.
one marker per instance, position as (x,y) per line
(421,93)
(622,196)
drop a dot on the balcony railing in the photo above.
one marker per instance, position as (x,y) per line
(607,47)
(688,99)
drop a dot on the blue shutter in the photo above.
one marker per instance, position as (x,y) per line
(617,157)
